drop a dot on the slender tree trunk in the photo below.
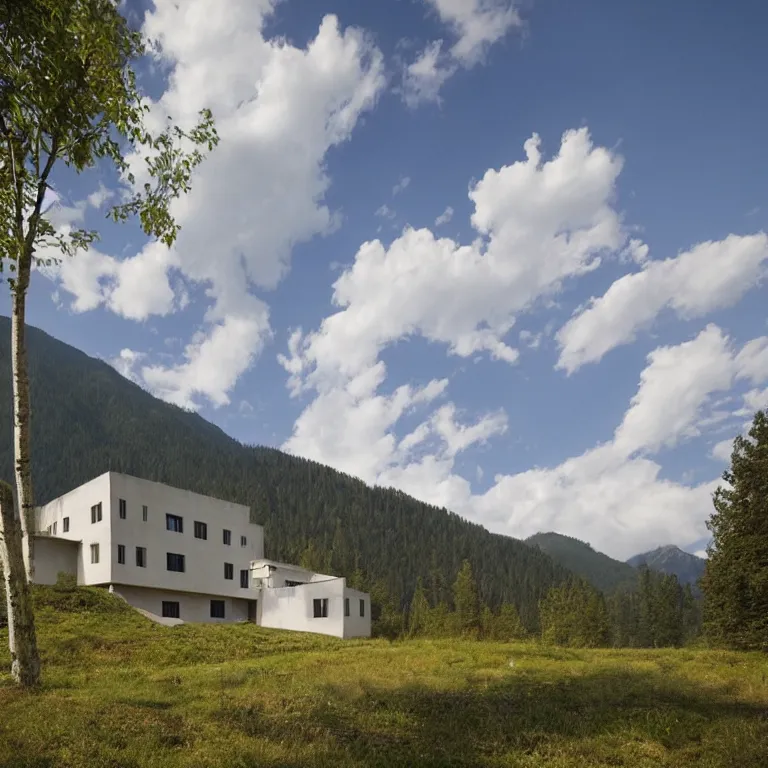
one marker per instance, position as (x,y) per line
(22,413)
(22,638)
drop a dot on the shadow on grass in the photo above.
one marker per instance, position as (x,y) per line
(519,716)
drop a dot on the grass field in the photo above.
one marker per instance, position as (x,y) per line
(120,691)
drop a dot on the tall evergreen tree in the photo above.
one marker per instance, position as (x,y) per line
(465,600)
(418,616)
(735,581)
(507,625)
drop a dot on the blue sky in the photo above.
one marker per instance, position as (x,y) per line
(346,123)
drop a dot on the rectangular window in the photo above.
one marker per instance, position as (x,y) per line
(227,537)
(123,508)
(320,605)
(174,523)
(217,609)
(362,607)
(94,553)
(175,562)
(346,606)
(65,525)
(96,513)
(243,541)
(144,513)
(54,529)
(229,571)
(171,610)
(201,530)
(141,557)
(244,579)
(121,554)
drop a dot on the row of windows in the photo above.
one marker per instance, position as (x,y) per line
(174,562)
(175,523)
(172,609)
(320,607)
(97,515)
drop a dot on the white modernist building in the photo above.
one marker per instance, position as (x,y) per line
(179,556)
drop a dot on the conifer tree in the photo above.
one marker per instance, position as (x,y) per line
(735,581)
(466,601)
(418,616)
(507,625)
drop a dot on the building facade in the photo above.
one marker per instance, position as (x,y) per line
(180,556)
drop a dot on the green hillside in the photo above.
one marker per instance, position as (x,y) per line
(88,419)
(121,692)
(598,569)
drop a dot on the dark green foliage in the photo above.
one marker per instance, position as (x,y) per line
(580,558)
(507,626)
(88,419)
(466,602)
(418,613)
(575,614)
(735,582)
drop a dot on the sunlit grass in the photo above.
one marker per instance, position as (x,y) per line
(121,691)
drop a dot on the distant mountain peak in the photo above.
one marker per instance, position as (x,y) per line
(671,559)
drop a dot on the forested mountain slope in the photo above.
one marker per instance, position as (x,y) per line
(672,560)
(598,569)
(88,419)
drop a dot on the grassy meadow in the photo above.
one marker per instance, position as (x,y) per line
(120,691)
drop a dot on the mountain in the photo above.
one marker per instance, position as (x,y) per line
(598,569)
(670,559)
(87,419)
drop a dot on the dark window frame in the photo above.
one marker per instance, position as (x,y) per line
(175,559)
(218,609)
(171,609)
(121,554)
(96,513)
(320,608)
(65,525)
(346,607)
(244,578)
(174,523)
(144,512)
(141,557)
(227,537)
(229,571)
(201,530)
(362,608)
(122,509)
(243,541)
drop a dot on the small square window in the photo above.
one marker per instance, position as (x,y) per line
(174,523)
(96,513)
(244,579)
(243,541)
(346,606)
(229,571)
(320,606)
(65,525)
(94,553)
(171,610)
(121,554)
(227,537)
(201,530)
(217,609)
(144,513)
(123,508)
(362,607)
(175,562)
(141,557)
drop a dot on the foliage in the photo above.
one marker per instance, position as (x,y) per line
(466,601)
(89,419)
(735,581)
(121,691)
(68,92)
(575,614)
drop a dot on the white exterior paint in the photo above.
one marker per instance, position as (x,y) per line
(265,599)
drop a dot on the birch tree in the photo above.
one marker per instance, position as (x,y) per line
(68,96)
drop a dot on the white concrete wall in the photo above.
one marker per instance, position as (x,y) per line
(193,607)
(204,566)
(271,574)
(292,608)
(76,505)
(356,625)
(54,556)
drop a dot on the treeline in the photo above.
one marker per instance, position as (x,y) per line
(657,613)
